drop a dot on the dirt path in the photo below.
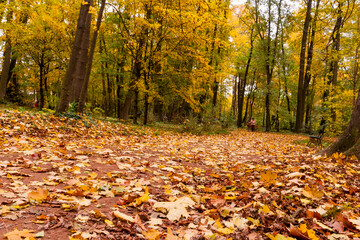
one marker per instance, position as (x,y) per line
(62,179)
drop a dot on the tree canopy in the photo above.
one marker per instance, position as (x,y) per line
(176,60)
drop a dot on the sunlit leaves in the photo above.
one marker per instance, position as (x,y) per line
(312,192)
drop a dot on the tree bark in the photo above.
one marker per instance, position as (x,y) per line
(4,80)
(90,59)
(81,68)
(301,91)
(349,141)
(242,92)
(68,80)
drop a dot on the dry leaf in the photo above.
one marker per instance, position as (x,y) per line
(39,195)
(123,217)
(268,177)
(18,235)
(312,193)
(152,234)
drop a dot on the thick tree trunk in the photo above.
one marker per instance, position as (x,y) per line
(81,67)
(90,59)
(349,141)
(301,91)
(68,80)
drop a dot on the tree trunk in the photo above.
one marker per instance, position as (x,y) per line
(4,80)
(301,91)
(68,80)
(90,59)
(234,98)
(81,68)
(349,141)
(242,92)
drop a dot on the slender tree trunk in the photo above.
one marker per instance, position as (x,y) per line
(41,86)
(90,59)
(103,80)
(68,80)
(234,98)
(241,91)
(4,80)
(244,81)
(301,91)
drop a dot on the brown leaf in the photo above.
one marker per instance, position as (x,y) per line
(311,214)
(347,224)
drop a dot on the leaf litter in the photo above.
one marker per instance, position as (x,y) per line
(62,178)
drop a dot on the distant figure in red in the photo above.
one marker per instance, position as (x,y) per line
(36,104)
(252,124)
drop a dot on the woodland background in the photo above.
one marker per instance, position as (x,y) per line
(288,64)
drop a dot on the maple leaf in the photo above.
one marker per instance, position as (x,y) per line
(312,193)
(18,235)
(268,177)
(176,209)
(303,233)
(38,195)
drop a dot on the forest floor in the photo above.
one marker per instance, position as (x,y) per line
(62,178)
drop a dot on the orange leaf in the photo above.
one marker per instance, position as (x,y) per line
(268,177)
(39,195)
(170,235)
(152,234)
(18,235)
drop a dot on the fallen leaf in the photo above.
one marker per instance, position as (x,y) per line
(312,193)
(268,177)
(123,217)
(39,195)
(18,235)
(152,234)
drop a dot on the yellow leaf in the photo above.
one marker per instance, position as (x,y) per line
(123,217)
(40,195)
(303,228)
(152,234)
(143,198)
(109,223)
(265,209)
(225,231)
(312,193)
(268,177)
(279,237)
(256,222)
(93,175)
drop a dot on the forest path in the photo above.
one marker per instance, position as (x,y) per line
(96,180)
